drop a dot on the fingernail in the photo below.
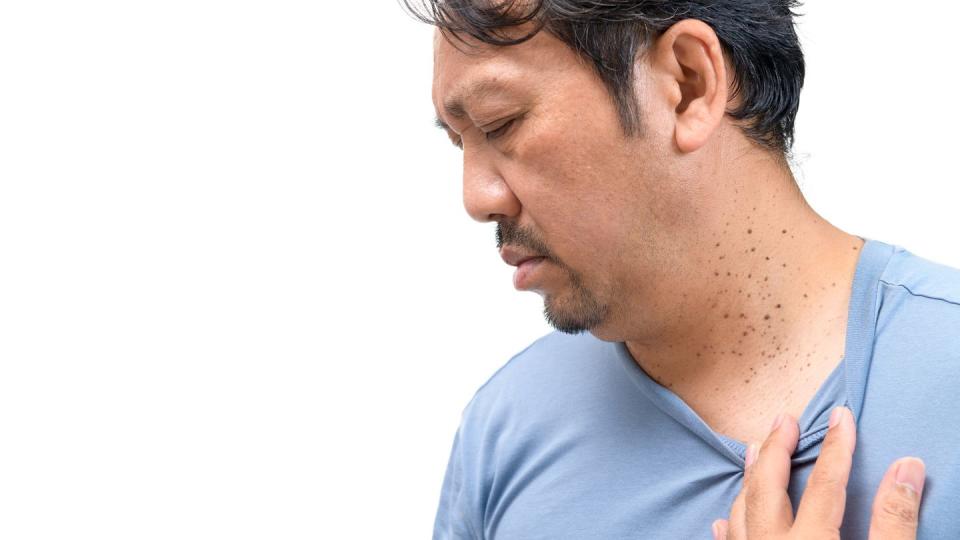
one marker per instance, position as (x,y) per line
(776,422)
(911,472)
(752,450)
(716,530)
(836,416)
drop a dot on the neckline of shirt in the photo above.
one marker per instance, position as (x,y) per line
(851,371)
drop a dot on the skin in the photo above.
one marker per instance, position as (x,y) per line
(686,222)
(689,242)
(763,509)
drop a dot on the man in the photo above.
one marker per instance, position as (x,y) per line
(634,158)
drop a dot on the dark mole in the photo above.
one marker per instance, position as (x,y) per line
(728,273)
(766,278)
(784,265)
(784,231)
(716,273)
(749,231)
(778,306)
(834,284)
(765,317)
(718,244)
(722,256)
(744,333)
(804,295)
(808,364)
(726,315)
(742,316)
(768,258)
(749,276)
(854,248)
(753,249)
(746,381)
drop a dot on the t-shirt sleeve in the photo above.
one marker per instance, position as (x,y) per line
(454,520)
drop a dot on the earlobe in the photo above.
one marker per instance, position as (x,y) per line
(691,53)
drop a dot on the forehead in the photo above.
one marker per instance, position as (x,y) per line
(462,72)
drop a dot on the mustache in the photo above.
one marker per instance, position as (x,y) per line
(511,234)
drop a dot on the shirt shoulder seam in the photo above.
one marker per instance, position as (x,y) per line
(931,297)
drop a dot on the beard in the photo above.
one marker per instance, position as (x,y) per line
(573,313)
(576,312)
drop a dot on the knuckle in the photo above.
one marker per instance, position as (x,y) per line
(826,480)
(753,505)
(899,507)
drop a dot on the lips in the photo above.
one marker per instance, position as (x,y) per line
(516,257)
(524,277)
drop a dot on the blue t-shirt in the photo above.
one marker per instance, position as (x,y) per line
(571,439)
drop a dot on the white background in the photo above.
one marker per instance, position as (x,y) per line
(239,294)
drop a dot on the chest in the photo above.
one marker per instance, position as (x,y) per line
(676,491)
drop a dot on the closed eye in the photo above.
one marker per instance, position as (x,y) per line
(500,131)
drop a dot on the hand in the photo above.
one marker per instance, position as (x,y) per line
(762,509)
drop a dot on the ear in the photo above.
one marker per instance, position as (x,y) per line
(689,62)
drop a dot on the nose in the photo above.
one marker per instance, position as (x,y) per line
(486,194)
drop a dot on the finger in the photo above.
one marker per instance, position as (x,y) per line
(768,509)
(896,508)
(824,499)
(737,524)
(720,529)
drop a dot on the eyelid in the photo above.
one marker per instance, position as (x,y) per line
(492,134)
(500,131)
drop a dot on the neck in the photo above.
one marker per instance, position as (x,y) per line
(761,296)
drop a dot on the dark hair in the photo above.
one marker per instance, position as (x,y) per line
(758,36)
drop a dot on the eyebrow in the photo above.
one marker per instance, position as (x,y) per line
(455,105)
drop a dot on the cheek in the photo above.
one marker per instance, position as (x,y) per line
(573,189)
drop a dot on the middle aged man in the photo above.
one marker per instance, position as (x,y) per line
(633,156)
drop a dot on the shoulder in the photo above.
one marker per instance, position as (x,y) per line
(559,383)
(922,278)
(554,364)
(919,308)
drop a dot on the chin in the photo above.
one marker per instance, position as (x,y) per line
(576,319)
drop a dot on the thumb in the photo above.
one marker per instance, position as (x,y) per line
(896,508)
